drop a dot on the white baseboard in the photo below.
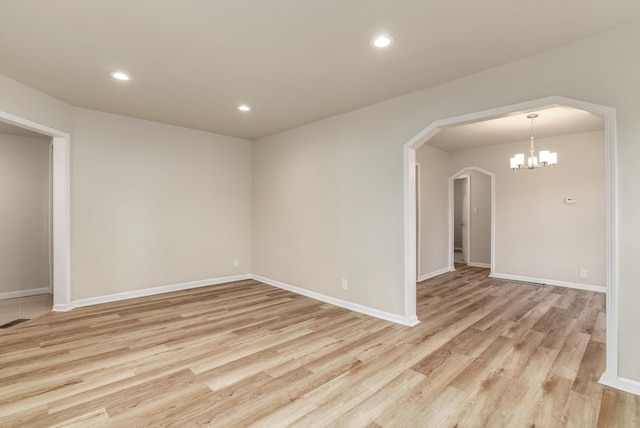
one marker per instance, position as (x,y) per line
(433,274)
(24,293)
(156,290)
(480,265)
(203,283)
(338,302)
(61,308)
(588,287)
(623,384)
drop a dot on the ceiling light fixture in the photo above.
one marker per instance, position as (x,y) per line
(244,108)
(546,158)
(119,75)
(382,41)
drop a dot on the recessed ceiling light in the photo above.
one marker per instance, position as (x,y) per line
(244,108)
(382,41)
(118,75)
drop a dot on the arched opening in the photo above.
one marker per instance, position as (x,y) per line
(608,114)
(477,221)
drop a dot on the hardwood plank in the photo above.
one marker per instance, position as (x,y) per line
(488,392)
(366,411)
(582,411)
(619,409)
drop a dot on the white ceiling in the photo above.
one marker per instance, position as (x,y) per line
(193,62)
(552,121)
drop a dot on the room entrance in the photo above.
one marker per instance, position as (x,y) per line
(60,240)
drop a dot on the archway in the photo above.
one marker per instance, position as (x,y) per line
(610,374)
(491,219)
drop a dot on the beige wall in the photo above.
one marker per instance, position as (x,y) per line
(369,242)
(24,214)
(434,209)
(155,205)
(537,235)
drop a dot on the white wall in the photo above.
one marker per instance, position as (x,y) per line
(24,215)
(155,205)
(600,70)
(434,209)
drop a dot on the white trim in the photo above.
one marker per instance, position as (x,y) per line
(410,269)
(466,216)
(337,302)
(434,274)
(587,287)
(622,383)
(60,210)
(157,290)
(61,225)
(418,221)
(611,233)
(24,293)
(611,204)
(480,265)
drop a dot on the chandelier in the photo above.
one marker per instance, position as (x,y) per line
(546,158)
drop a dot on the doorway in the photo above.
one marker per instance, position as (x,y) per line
(25,226)
(471,218)
(60,239)
(461,190)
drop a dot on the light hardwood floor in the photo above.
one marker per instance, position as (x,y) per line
(488,353)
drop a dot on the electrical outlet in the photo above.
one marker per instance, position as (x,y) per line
(345,286)
(584,273)
(236,262)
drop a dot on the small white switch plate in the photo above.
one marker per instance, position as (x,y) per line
(475,210)
(584,273)
(569,201)
(344,284)
(236,262)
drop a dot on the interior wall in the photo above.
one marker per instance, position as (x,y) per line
(434,210)
(537,234)
(24,215)
(317,216)
(300,181)
(155,205)
(480,218)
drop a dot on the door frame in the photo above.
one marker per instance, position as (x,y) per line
(418,224)
(466,217)
(611,375)
(60,207)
